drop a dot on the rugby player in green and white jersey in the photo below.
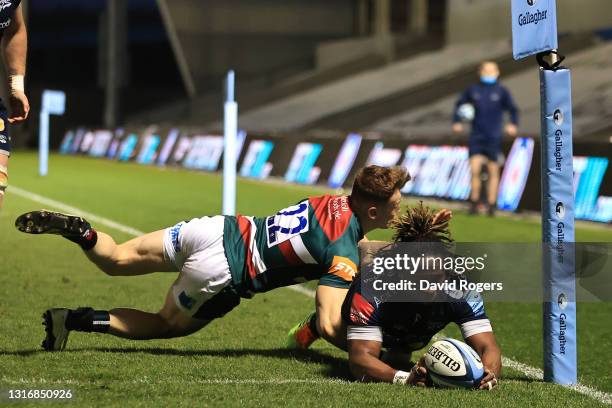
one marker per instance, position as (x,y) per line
(222,259)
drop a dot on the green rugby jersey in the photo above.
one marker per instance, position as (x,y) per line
(314,239)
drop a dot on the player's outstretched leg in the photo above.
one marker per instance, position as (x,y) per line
(141,255)
(132,324)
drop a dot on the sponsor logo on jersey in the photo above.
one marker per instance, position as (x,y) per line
(174,236)
(5,24)
(333,214)
(2,127)
(338,206)
(2,139)
(5,4)
(343,268)
(361,310)
(359,317)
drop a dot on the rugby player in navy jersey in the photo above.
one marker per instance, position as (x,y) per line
(14,45)
(403,327)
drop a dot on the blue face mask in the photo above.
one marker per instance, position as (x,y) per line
(487,79)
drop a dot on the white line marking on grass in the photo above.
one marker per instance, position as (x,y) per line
(73,210)
(303,290)
(530,372)
(538,374)
(247,381)
(603,397)
(211,381)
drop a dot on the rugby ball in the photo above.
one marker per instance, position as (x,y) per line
(453,364)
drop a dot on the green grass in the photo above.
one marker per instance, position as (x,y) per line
(237,360)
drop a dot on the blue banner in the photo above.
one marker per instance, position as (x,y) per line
(148,149)
(302,166)
(127,147)
(345,160)
(588,174)
(559,276)
(516,171)
(534,27)
(255,163)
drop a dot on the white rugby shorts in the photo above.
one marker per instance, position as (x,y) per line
(196,249)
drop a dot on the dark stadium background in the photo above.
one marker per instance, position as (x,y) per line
(64,54)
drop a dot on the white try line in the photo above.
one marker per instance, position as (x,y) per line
(537,374)
(530,372)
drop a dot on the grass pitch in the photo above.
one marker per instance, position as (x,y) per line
(240,359)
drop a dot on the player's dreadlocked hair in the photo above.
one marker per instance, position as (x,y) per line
(417,225)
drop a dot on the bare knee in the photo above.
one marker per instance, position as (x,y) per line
(170,327)
(176,323)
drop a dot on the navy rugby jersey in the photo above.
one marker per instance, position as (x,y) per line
(411,326)
(7,10)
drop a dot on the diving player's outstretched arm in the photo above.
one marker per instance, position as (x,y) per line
(14,49)
(367,367)
(490,354)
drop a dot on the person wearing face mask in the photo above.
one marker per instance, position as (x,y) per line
(489,100)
